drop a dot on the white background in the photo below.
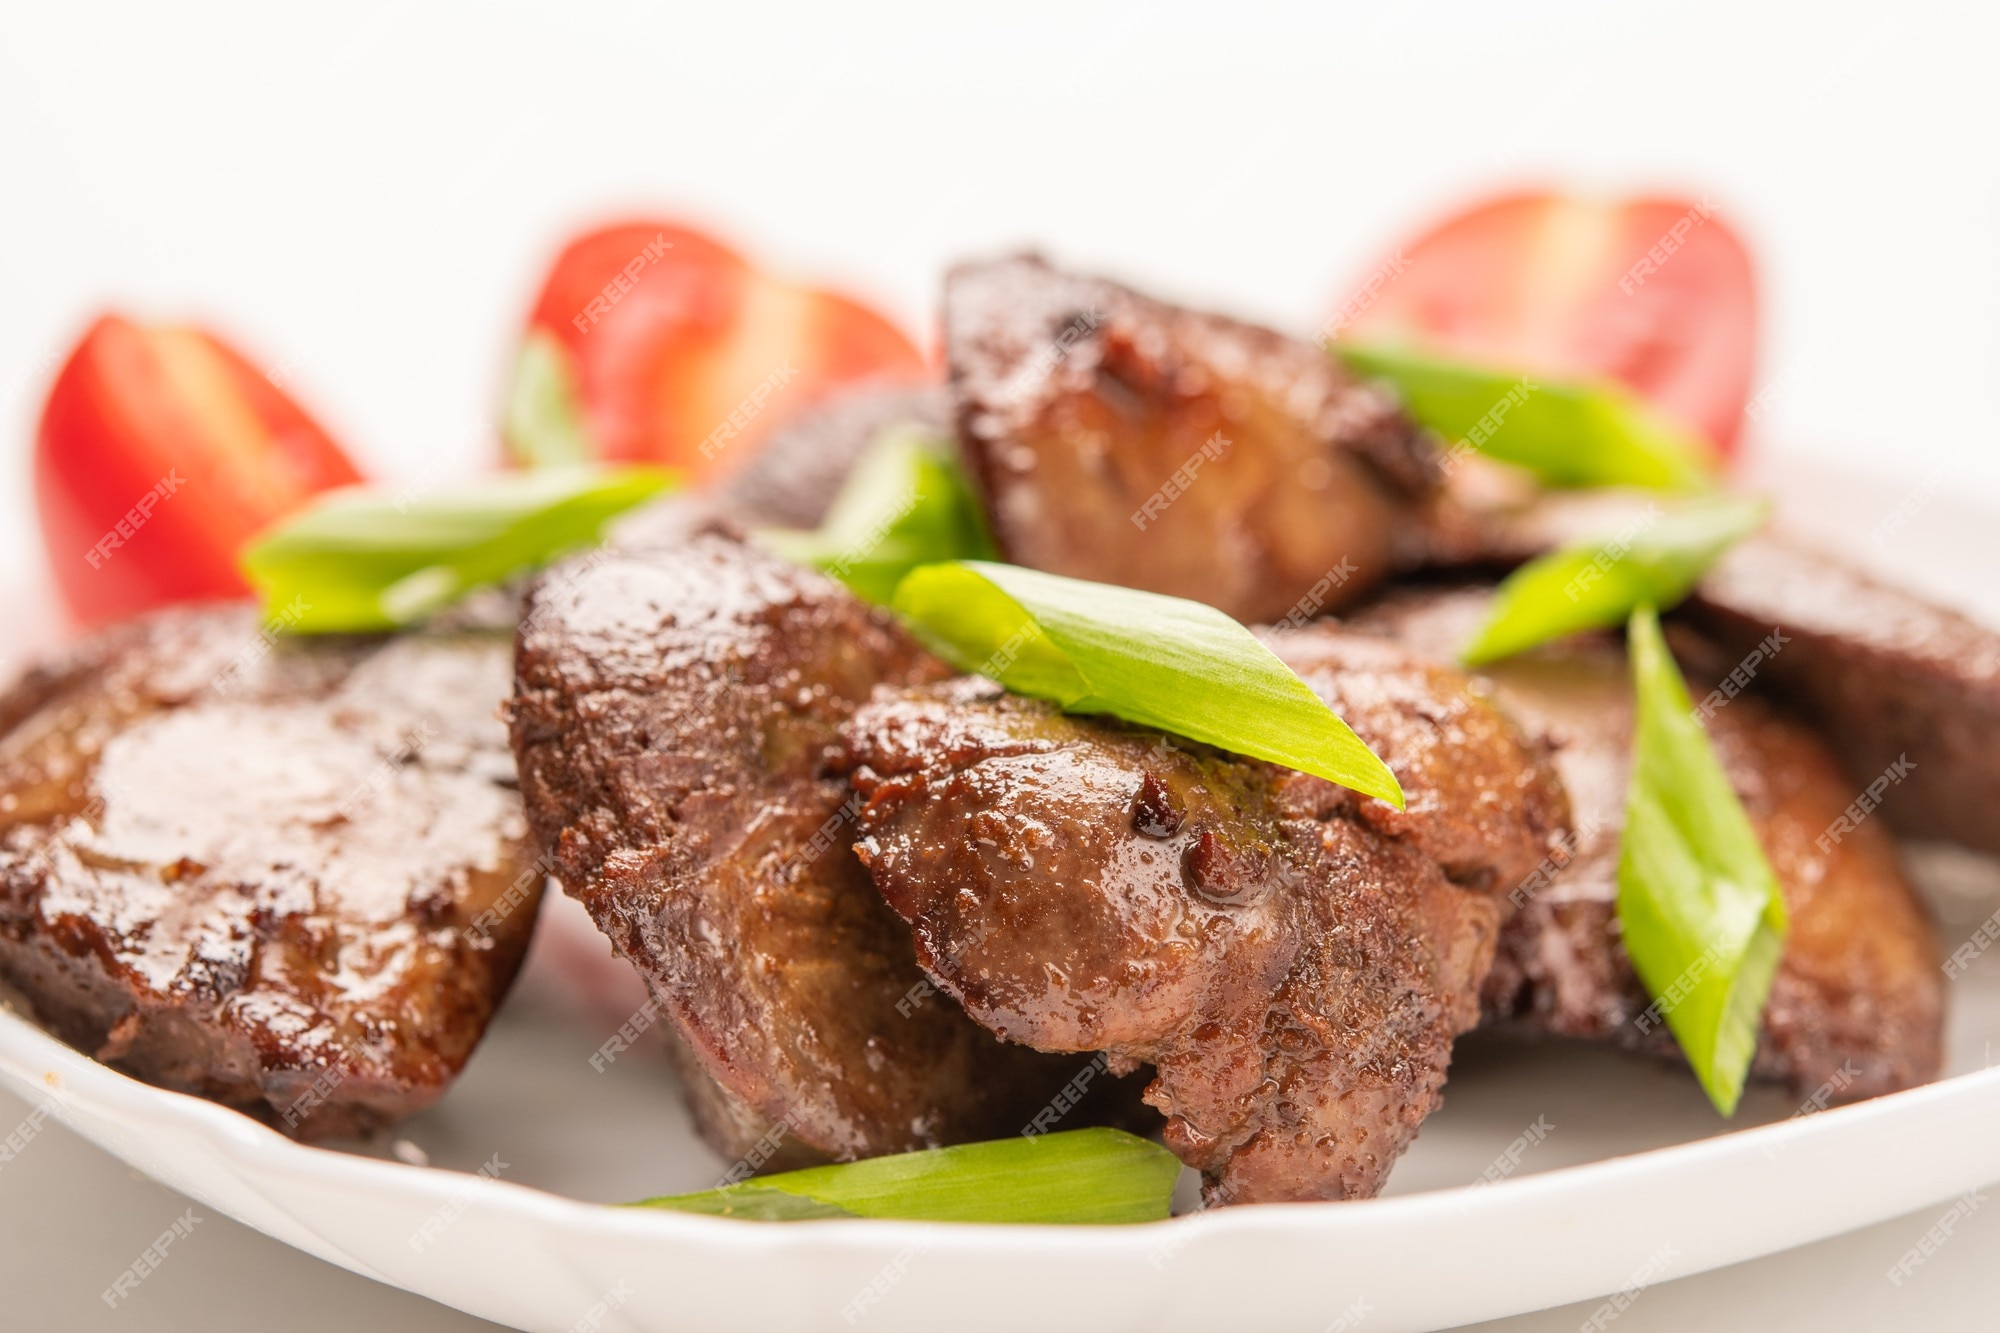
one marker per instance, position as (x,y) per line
(365,195)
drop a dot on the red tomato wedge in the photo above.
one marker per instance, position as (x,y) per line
(161,452)
(1656,292)
(674,349)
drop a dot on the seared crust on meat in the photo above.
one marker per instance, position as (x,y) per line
(1119,439)
(288,876)
(1858,1000)
(1293,963)
(1481,798)
(673,715)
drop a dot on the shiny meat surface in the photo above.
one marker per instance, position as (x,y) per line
(287,876)
(673,715)
(1858,1000)
(1481,798)
(1292,963)
(1119,439)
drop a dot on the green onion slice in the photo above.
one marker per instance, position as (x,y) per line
(1082,1176)
(364,559)
(905,504)
(1159,661)
(1701,910)
(1584,434)
(1655,559)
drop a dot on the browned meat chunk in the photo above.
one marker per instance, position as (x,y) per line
(1886,675)
(1119,439)
(287,876)
(1858,1000)
(1482,800)
(673,714)
(1289,957)
(795,476)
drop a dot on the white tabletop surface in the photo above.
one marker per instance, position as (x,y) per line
(365,196)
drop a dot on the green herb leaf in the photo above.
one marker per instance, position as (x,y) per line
(544,420)
(365,559)
(1077,1176)
(1655,559)
(1158,661)
(1598,434)
(1703,917)
(906,503)
(753,1201)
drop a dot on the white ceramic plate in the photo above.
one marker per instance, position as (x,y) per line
(1629,1181)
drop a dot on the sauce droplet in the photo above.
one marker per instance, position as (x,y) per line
(1154,811)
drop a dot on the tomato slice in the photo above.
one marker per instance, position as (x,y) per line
(161,452)
(1656,292)
(679,351)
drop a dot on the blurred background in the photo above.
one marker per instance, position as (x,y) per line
(366,198)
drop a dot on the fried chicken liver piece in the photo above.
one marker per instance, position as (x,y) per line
(1116,438)
(673,712)
(794,477)
(1857,1005)
(1293,963)
(1894,682)
(291,876)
